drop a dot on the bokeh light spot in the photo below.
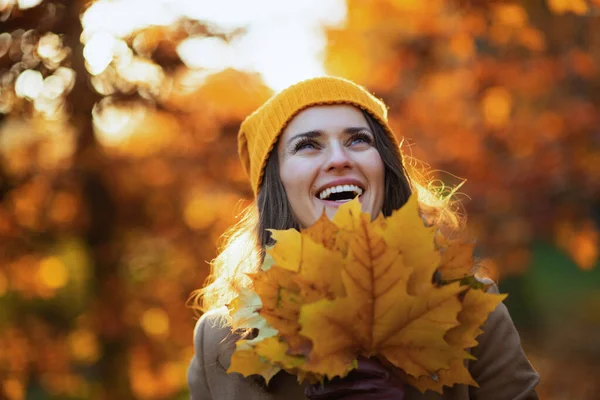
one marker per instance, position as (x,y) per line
(198,212)
(53,273)
(584,247)
(5,42)
(14,389)
(98,52)
(28,3)
(115,125)
(512,15)
(496,105)
(201,52)
(155,322)
(29,84)
(83,345)
(50,48)
(578,7)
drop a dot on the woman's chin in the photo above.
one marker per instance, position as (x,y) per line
(330,212)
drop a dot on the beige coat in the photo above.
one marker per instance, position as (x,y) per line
(501,369)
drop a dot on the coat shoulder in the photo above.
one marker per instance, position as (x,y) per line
(208,379)
(213,338)
(205,371)
(501,367)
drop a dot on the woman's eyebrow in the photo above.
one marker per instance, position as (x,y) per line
(316,133)
(357,129)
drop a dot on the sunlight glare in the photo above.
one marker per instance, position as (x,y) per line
(67,75)
(50,48)
(54,86)
(283,41)
(205,52)
(122,17)
(140,71)
(23,4)
(46,106)
(115,124)
(29,84)
(5,42)
(98,52)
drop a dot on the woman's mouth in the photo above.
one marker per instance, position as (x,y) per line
(337,203)
(340,194)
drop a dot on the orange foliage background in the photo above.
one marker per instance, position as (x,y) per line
(115,184)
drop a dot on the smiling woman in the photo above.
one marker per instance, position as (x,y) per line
(327,157)
(309,149)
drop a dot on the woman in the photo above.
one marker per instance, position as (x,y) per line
(312,147)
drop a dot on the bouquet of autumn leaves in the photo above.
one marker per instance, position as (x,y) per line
(353,287)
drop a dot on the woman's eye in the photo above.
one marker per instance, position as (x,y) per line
(361,138)
(304,144)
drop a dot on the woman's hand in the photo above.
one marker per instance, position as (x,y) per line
(369,381)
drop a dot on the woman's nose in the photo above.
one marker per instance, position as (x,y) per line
(338,158)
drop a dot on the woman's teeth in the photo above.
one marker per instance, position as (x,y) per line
(339,189)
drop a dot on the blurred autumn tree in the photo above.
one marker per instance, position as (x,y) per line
(506,95)
(502,93)
(118,166)
(113,194)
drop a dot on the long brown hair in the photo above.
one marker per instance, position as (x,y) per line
(244,244)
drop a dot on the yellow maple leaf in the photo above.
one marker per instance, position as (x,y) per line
(361,287)
(316,265)
(405,230)
(477,305)
(276,351)
(247,362)
(281,295)
(347,219)
(303,272)
(457,258)
(323,232)
(244,315)
(287,251)
(379,316)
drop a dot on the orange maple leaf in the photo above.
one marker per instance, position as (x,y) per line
(477,305)
(457,258)
(361,287)
(324,232)
(405,230)
(302,272)
(379,316)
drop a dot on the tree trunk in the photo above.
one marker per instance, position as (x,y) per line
(109,297)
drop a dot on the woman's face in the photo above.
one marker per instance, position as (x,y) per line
(327,156)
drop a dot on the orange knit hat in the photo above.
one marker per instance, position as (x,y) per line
(260,130)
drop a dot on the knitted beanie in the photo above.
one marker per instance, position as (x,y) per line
(260,130)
